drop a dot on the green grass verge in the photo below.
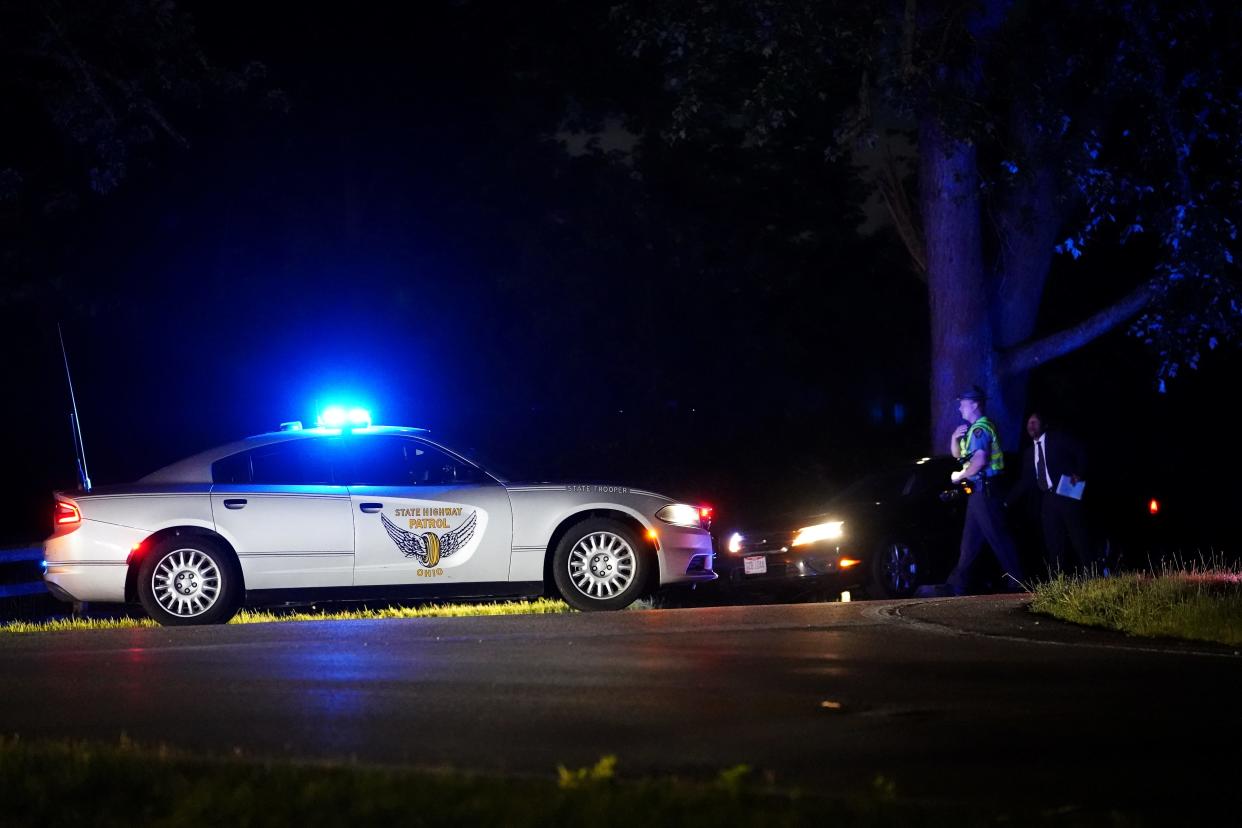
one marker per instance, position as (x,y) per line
(1199,605)
(541,606)
(73,785)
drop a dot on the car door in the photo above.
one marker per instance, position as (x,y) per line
(279,507)
(938,508)
(423,516)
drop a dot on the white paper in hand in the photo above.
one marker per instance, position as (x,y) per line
(1066,488)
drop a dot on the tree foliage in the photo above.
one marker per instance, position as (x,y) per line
(1086,126)
(89,90)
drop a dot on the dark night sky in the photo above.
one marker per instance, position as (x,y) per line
(407,235)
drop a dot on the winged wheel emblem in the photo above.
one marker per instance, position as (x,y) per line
(430,548)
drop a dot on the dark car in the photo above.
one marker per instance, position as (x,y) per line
(893,531)
(887,533)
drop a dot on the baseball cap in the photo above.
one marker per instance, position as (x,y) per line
(974,392)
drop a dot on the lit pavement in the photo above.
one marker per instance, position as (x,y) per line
(945,697)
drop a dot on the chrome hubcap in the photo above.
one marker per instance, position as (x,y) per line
(602,565)
(186,583)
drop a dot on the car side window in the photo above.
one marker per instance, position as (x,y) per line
(399,461)
(907,488)
(292,463)
(232,469)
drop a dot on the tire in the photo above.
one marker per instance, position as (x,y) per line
(189,580)
(601,564)
(895,570)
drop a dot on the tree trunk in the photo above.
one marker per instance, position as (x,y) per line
(1009,408)
(962,348)
(1027,223)
(983,320)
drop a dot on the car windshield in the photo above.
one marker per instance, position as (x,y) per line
(484,461)
(878,488)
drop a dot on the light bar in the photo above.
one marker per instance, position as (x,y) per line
(337,416)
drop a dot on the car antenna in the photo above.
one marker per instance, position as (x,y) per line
(79,448)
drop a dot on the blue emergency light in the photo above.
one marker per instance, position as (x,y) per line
(337,416)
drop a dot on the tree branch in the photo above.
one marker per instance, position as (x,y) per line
(131,91)
(909,24)
(1031,354)
(1163,97)
(901,211)
(82,68)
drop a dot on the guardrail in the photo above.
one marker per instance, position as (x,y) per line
(19,555)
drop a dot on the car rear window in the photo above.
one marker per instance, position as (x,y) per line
(232,469)
(293,463)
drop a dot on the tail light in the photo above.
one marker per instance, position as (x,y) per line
(66,515)
(1154,506)
(705,516)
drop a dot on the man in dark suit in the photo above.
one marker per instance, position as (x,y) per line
(1054,455)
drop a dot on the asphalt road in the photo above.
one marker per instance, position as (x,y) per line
(952,699)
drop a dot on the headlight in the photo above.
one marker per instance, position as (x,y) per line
(819,532)
(735,543)
(680,514)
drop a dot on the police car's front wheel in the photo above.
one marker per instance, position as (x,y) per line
(188,580)
(600,564)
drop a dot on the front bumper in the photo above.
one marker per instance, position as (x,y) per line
(685,555)
(91,562)
(818,563)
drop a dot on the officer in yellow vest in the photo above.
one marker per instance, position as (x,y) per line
(977,445)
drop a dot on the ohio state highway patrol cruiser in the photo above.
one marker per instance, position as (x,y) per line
(356,513)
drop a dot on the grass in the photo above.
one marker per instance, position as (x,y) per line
(75,784)
(1194,603)
(540,606)
(67,624)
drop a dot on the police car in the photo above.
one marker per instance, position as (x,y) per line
(353,511)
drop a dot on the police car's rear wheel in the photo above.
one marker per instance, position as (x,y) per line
(600,565)
(894,570)
(188,581)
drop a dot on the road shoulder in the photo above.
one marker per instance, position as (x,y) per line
(1010,617)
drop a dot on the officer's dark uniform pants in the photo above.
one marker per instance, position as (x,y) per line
(1063,521)
(985,523)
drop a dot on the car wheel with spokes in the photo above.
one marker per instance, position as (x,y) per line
(895,570)
(600,564)
(188,580)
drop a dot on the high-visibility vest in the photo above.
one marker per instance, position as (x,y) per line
(996,462)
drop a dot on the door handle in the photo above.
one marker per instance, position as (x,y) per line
(370,508)
(235,503)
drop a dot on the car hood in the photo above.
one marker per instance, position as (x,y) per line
(791,521)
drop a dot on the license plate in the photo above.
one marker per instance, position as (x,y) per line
(755,565)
